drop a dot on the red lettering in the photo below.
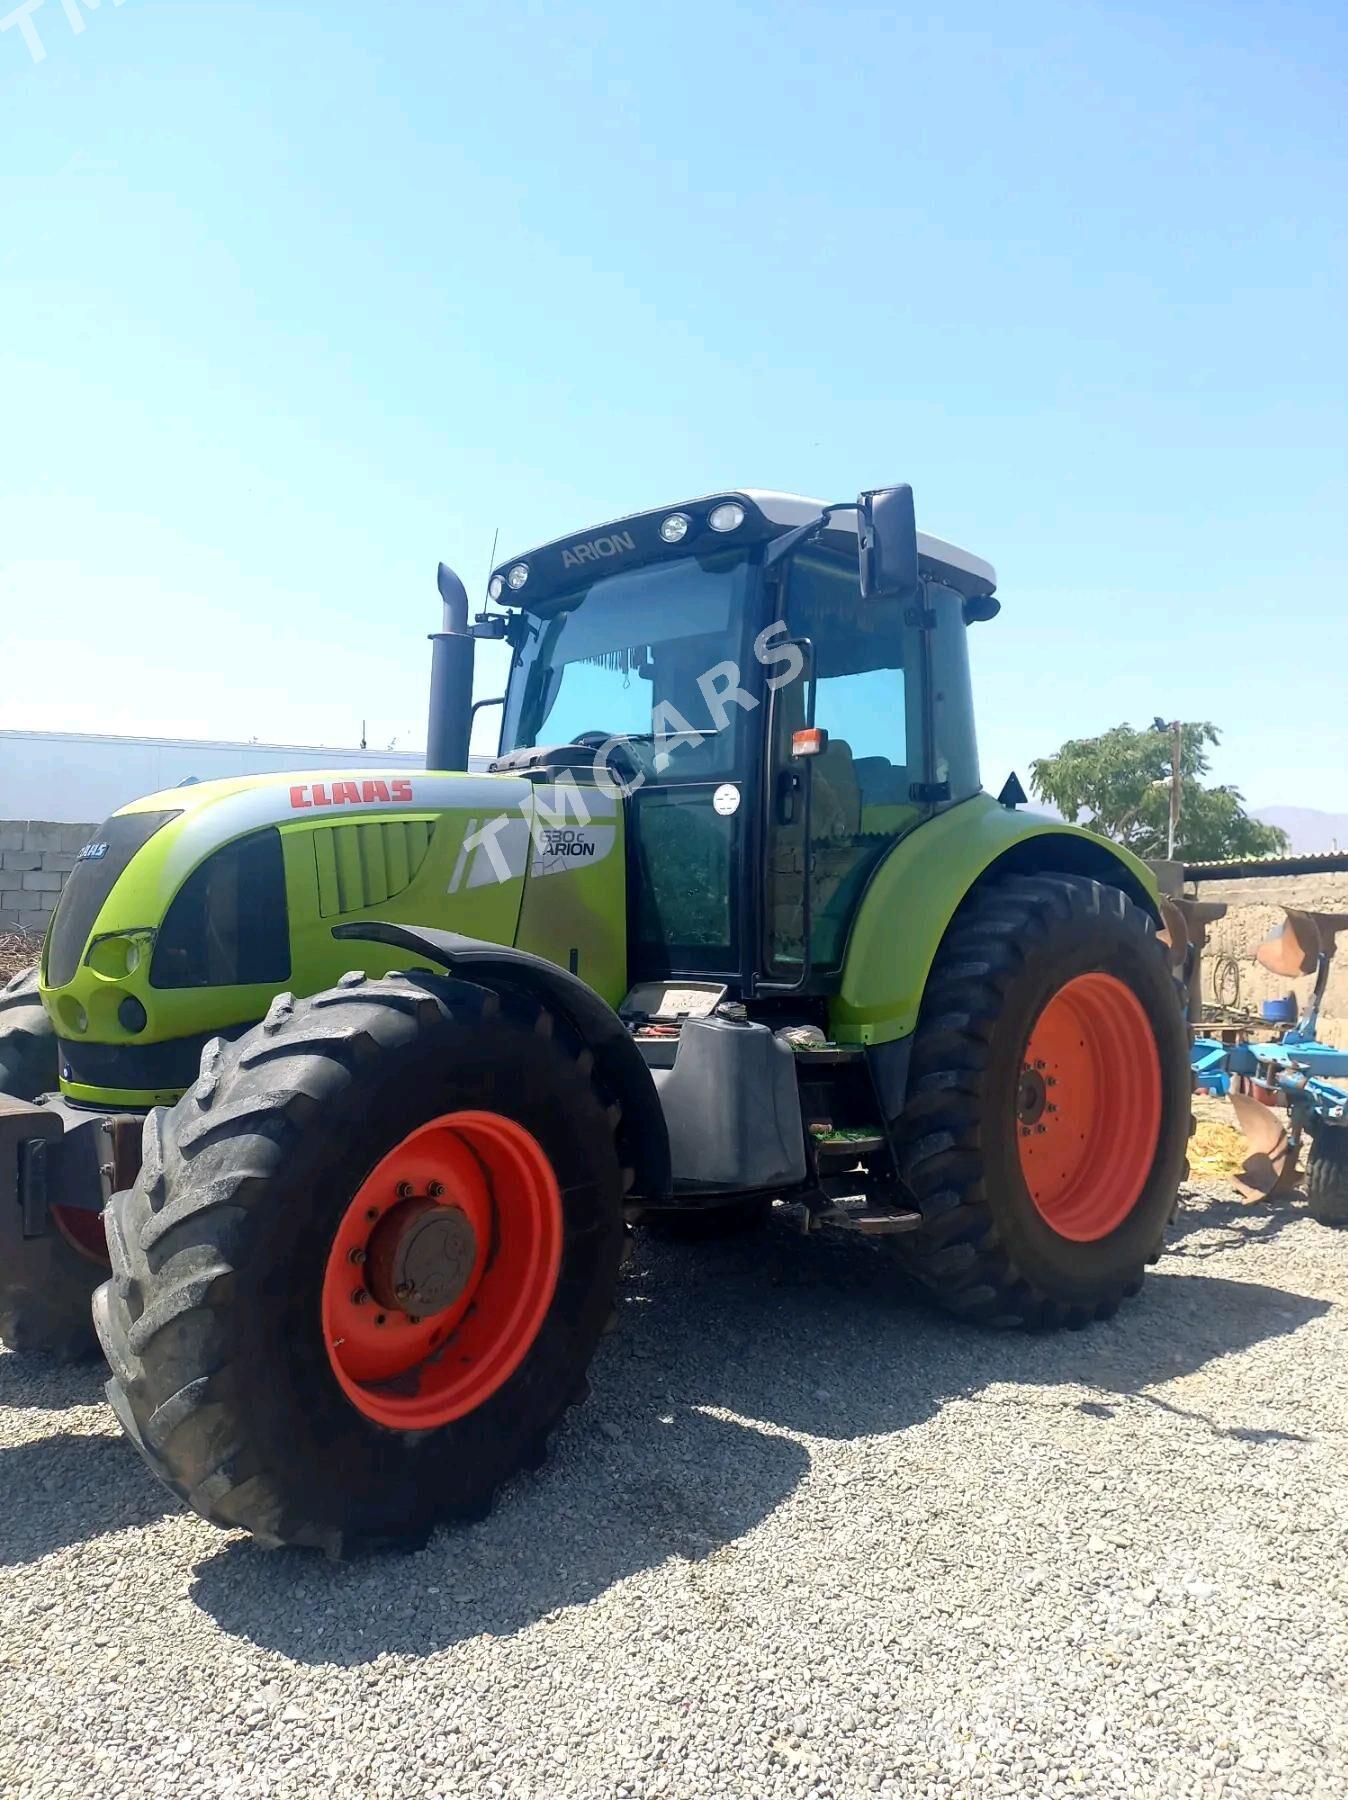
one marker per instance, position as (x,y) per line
(345,793)
(320,794)
(297,797)
(402,790)
(374,790)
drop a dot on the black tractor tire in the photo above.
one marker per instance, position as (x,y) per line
(46,1283)
(28,1057)
(1327,1175)
(211,1322)
(986,1251)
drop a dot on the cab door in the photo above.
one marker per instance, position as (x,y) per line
(830,817)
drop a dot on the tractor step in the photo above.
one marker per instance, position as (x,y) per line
(869,1221)
(816,1056)
(846,1140)
(855,1216)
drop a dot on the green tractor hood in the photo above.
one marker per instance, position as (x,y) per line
(189,910)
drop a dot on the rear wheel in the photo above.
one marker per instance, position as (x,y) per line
(47,1282)
(1048,1117)
(1327,1174)
(366,1263)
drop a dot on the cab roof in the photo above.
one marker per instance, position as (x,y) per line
(960,566)
(770,513)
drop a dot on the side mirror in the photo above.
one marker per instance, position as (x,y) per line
(978,607)
(887,543)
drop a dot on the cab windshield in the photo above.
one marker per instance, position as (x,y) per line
(644,655)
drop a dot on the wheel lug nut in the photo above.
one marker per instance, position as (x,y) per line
(1039,1063)
(359,1297)
(435,1189)
(404,1190)
(357,1256)
(1039,1130)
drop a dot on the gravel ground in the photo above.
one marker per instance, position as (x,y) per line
(806,1539)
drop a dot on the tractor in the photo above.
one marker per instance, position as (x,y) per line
(336,1094)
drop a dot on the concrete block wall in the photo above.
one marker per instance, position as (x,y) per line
(35,858)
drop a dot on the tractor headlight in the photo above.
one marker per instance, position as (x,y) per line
(675,528)
(727,516)
(518,576)
(495,588)
(119,954)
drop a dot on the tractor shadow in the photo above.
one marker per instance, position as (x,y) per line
(1205,1227)
(818,1340)
(70,1487)
(47,1384)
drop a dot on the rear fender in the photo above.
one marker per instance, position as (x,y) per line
(921,884)
(643,1140)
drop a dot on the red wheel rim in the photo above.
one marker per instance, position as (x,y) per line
(1088,1107)
(442,1270)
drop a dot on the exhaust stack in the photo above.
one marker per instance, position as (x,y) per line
(451,709)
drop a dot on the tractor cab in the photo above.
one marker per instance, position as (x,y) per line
(776,705)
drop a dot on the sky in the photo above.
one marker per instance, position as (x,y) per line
(296,301)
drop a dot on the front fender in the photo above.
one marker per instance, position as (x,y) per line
(643,1140)
(919,887)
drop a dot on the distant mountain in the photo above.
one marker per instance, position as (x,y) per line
(1309,830)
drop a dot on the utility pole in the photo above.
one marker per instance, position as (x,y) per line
(1176,751)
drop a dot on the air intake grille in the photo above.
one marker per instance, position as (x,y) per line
(363,865)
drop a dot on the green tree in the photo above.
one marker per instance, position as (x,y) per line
(1118,786)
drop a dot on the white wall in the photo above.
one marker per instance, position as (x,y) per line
(73,776)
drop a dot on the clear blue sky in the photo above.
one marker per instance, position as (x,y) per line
(299,299)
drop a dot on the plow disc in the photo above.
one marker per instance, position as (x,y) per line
(1271,1165)
(1294,947)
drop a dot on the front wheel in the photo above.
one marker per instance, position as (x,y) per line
(1327,1174)
(366,1263)
(1048,1118)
